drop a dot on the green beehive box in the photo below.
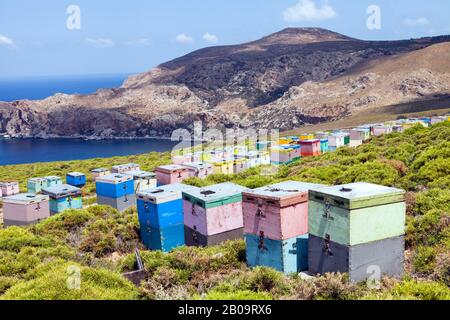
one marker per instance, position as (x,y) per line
(357,213)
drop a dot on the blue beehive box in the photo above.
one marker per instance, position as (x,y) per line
(165,239)
(35,185)
(288,256)
(76,179)
(114,185)
(324,145)
(162,207)
(63,197)
(160,213)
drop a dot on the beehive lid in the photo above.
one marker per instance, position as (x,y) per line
(75,174)
(9,184)
(61,191)
(26,198)
(114,178)
(37,180)
(198,165)
(357,195)
(52,178)
(100,170)
(165,193)
(216,195)
(170,168)
(310,141)
(140,174)
(285,193)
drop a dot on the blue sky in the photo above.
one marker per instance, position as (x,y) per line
(136,35)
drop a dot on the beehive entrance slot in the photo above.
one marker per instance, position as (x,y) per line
(207,192)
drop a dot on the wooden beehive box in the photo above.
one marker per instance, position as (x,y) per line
(63,197)
(280,211)
(288,256)
(215,209)
(100,172)
(163,206)
(76,179)
(122,168)
(171,174)
(35,185)
(384,257)
(199,169)
(357,213)
(310,148)
(114,185)
(53,181)
(24,209)
(9,188)
(143,180)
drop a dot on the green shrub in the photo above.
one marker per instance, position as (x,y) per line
(56,284)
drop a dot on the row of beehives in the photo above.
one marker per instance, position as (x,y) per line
(229,160)
(45,196)
(290,226)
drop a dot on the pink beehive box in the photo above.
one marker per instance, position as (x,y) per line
(215,209)
(9,188)
(171,174)
(279,211)
(23,209)
(199,169)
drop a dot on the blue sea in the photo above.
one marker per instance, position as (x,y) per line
(16,151)
(33,88)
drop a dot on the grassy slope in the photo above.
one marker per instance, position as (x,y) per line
(34,260)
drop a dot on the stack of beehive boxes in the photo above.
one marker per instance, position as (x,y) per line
(9,189)
(276,226)
(213,214)
(63,197)
(357,229)
(25,209)
(161,220)
(171,174)
(116,190)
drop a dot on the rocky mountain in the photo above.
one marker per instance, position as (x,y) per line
(285,80)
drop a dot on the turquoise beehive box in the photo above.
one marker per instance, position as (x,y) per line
(357,213)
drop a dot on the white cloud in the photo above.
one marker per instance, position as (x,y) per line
(307,10)
(183,38)
(100,43)
(4,40)
(416,22)
(138,43)
(210,38)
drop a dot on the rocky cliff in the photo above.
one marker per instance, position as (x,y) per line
(285,80)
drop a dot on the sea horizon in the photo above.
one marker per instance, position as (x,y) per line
(40,87)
